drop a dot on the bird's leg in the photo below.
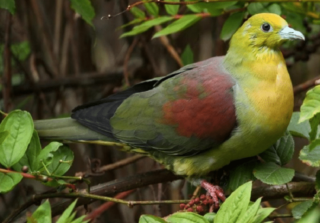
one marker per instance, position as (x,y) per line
(215,192)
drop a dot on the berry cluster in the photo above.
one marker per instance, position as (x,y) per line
(199,204)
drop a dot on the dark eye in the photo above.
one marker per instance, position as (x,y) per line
(266,27)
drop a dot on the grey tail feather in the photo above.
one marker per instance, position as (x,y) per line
(66,129)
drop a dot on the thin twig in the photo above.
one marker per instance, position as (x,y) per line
(126,60)
(98,211)
(85,79)
(43,177)
(306,85)
(196,192)
(280,216)
(105,189)
(46,38)
(165,41)
(121,163)
(57,27)
(7,65)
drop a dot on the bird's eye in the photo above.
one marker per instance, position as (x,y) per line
(266,27)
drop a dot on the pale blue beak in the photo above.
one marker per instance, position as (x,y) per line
(290,34)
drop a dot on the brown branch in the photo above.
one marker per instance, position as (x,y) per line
(298,189)
(165,41)
(7,65)
(126,60)
(39,177)
(121,163)
(105,189)
(46,38)
(302,189)
(306,85)
(86,79)
(98,211)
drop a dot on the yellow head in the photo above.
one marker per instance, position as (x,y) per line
(264,30)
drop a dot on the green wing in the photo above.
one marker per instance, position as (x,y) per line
(187,112)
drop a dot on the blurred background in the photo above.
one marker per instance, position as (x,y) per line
(53,60)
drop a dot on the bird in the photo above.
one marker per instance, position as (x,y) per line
(201,117)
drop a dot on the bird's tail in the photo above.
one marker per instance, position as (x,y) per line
(67,129)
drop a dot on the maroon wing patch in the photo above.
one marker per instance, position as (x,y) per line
(206,106)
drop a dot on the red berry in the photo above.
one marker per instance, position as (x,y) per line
(182,206)
(197,200)
(187,206)
(210,201)
(190,210)
(200,209)
(205,202)
(202,197)
(191,203)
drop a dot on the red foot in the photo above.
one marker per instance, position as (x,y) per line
(215,192)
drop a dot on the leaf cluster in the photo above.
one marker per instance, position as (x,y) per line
(237,208)
(20,150)
(177,17)
(43,214)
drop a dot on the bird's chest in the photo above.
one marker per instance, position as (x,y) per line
(265,106)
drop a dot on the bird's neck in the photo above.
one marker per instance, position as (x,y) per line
(244,60)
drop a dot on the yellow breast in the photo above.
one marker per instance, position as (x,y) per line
(271,94)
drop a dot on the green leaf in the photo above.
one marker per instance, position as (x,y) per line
(298,129)
(299,210)
(146,25)
(231,25)
(235,205)
(8,181)
(83,8)
(281,152)
(21,50)
(210,216)
(222,5)
(314,124)
(186,217)
(262,214)
(312,215)
(310,154)
(311,104)
(9,5)
(257,7)
(275,8)
(150,219)
(270,173)
(30,157)
(214,8)
(66,214)
(46,155)
(138,13)
(3,136)
(241,174)
(42,214)
(172,9)
(294,19)
(248,216)
(19,124)
(152,8)
(179,25)
(61,161)
(187,56)
(135,21)
(80,220)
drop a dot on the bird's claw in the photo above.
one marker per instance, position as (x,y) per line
(215,192)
